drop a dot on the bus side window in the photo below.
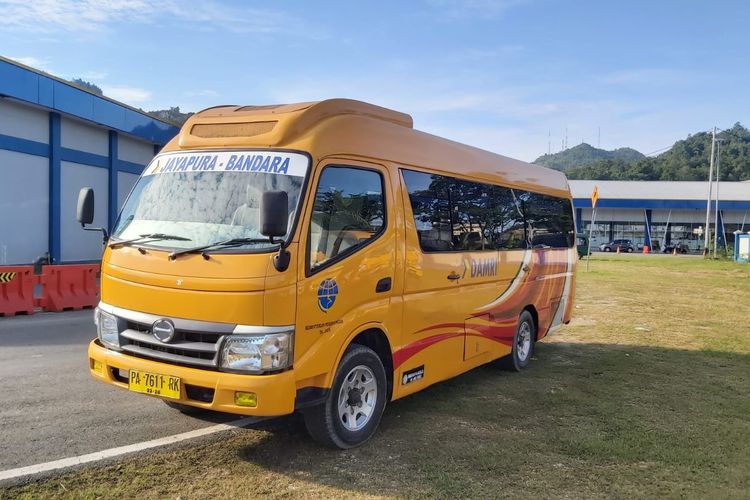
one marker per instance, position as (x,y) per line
(549,220)
(349,211)
(428,194)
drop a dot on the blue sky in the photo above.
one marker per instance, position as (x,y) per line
(497,74)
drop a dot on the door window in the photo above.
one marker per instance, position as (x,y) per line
(348,213)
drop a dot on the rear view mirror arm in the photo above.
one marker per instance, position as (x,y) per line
(282,259)
(105,234)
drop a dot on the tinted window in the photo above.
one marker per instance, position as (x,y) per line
(453,214)
(471,214)
(508,227)
(485,217)
(431,206)
(349,211)
(549,220)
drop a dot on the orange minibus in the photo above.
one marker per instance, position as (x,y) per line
(326,258)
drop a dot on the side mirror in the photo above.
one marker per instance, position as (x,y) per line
(85,212)
(86,206)
(274,214)
(274,217)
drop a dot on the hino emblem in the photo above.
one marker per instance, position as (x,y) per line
(163,330)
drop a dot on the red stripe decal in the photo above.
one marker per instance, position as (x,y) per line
(442,325)
(406,352)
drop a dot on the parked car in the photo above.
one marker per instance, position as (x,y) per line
(582,244)
(623,245)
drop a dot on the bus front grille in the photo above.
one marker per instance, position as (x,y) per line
(190,348)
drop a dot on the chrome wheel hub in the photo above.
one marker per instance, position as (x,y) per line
(523,341)
(357,398)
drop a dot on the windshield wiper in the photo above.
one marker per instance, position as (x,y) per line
(233,242)
(149,236)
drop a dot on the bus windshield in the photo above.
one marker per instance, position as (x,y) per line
(202,197)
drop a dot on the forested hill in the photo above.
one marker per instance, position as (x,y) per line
(686,160)
(585,154)
(171,115)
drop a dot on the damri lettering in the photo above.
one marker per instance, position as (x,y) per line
(483,267)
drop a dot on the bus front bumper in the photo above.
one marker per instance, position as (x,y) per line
(209,389)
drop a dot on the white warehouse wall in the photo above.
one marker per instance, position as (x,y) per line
(24,207)
(134,151)
(615,214)
(26,122)
(78,135)
(77,244)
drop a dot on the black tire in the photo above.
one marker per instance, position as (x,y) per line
(607,249)
(324,422)
(187,410)
(630,250)
(516,361)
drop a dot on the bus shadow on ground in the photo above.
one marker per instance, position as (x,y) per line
(579,408)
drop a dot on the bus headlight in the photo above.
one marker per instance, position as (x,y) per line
(257,353)
(107,329)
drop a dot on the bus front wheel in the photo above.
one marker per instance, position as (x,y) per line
(351,412)
(523,344)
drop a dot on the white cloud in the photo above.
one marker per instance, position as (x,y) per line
(126,94)
(87,16)
(32,61)
(95,75)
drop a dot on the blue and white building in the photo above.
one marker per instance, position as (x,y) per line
(54,139)
(660,213)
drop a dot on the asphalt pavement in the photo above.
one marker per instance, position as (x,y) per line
(52,408)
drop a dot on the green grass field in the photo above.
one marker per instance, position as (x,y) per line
(646,393)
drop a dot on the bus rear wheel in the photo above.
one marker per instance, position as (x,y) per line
(351,412)
(523,344)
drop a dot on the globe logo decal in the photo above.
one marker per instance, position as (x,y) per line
(327,292)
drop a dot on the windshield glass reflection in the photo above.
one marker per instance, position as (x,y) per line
(204,206)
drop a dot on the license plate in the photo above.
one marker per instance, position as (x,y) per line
(155,384)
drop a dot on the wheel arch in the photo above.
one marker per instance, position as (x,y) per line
(372,335)
(535,317)
(377,340)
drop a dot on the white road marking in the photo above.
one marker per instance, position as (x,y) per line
(121,450)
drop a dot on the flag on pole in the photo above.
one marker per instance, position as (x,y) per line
(594,196)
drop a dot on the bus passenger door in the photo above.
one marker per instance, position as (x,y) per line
(477,290)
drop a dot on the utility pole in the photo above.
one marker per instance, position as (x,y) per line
(708,200)
(599,137)
(716,206)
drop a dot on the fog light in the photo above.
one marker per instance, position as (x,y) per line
(96,365)
(246,399)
